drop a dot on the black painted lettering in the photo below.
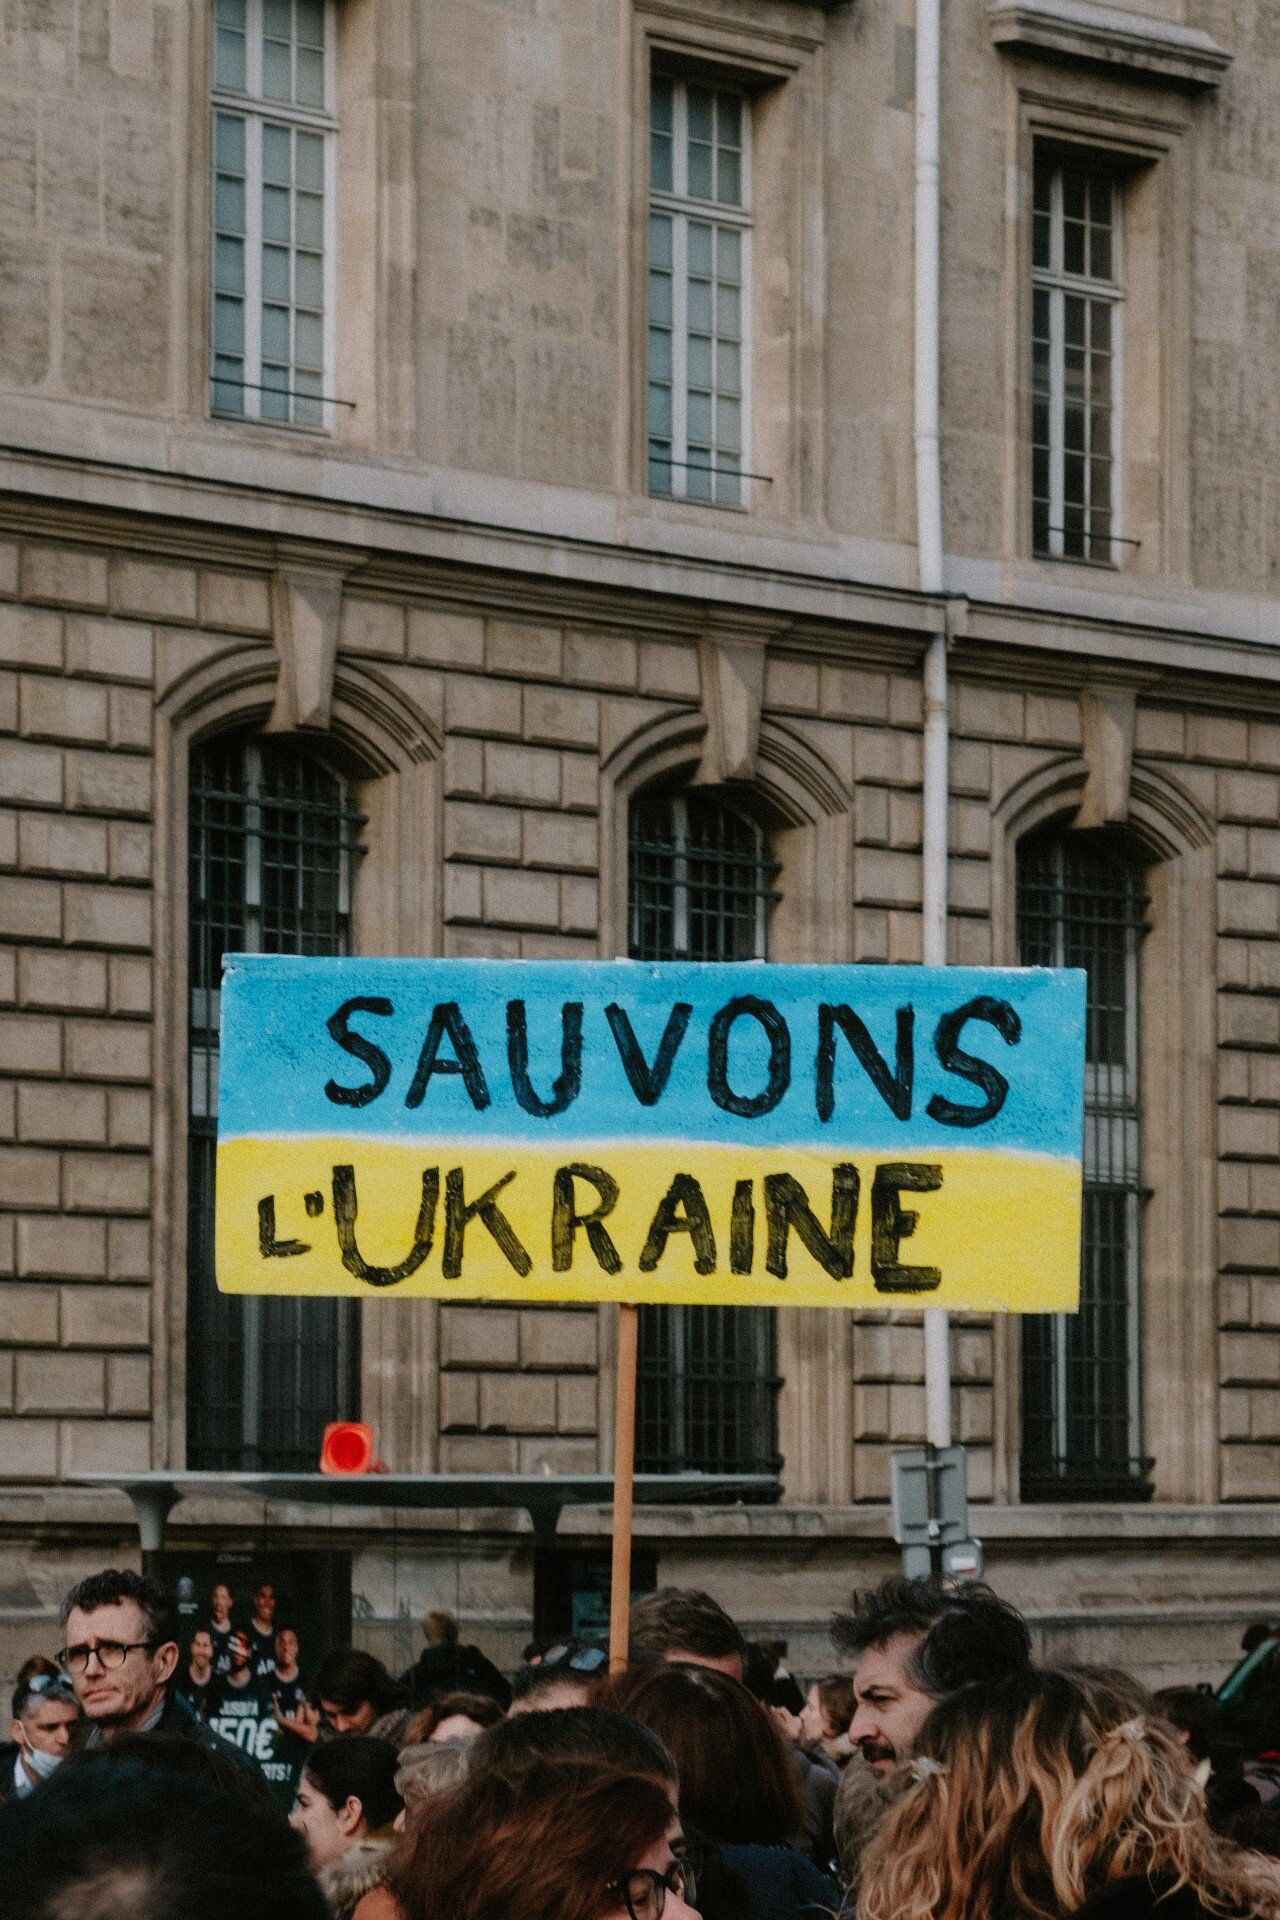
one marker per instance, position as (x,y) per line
(459,1212)
(682,1209)
(786,1205)
(565,1218)
(314,1204)
(339,1025)
(742,1228)
(891,1224)
(748,1106)
(447,1021)
(998,1014)
(647,1082)
(268,1246)
(345,1209)
(566,1087)
(894,1088)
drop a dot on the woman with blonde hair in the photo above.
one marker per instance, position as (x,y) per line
(1054,1794)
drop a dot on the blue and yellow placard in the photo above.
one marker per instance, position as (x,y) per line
(737,1134)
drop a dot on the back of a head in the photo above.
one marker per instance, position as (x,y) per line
(118,1839)
(480,1708)
(966,1633)
(429,1767)
(349,1677)
(198,1760)
(439,1628)
(1036,1784)
(545,1844)
(358,1767)
(677,1620)
(590,1737)
(737,1779)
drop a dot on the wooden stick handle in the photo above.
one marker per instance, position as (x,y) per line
(624,1466)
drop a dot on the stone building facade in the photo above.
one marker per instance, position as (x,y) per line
(325,362)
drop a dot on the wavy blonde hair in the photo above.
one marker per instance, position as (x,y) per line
(1030,1795)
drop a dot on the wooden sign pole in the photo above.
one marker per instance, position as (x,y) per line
(624,1465)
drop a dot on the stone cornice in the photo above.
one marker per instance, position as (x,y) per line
(1112,37)
(828,597)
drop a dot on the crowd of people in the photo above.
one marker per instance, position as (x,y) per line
(941,1775)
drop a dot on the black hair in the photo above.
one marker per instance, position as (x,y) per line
(965,1633)
(218,1765)
(348,1677)
(113,1584)
(575,1661)
(359,1767)
(110,1836)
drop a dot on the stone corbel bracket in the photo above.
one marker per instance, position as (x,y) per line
(306,611)
(731,675)
(1106,724)
(1128,43)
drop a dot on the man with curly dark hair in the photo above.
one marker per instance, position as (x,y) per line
(915,1642)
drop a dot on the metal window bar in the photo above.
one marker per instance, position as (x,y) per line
(273,842)
(1081,903)
(700,885)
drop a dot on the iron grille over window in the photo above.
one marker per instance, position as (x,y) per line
(699,887)
(1080,904)
(273,845)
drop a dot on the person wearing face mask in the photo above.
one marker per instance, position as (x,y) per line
(44,1716)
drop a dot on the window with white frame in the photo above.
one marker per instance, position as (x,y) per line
(274,155)
(1076,330)
(699,265)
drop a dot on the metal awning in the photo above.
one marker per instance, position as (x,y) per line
(541,1495)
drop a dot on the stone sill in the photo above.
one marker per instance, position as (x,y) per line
(1110,37)
(24,1509)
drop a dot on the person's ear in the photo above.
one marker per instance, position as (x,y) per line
(20,1736)
(351,1814)
(166,1660)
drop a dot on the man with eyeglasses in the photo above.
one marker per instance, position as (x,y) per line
(120,1632)
(44,1718)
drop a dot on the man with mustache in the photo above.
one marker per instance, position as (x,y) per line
(915,1642)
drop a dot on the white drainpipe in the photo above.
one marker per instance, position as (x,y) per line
(937,1350)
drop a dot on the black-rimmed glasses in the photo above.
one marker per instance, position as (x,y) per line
(111,1654)
(644,1890)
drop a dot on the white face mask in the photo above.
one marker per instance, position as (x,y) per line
(39,1763)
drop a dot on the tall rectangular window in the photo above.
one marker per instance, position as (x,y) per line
(1080,904)
(271,350)
(699,265)
(700,887)
(1076,331)
(273,845)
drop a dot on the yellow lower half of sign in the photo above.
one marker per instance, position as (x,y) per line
(649,1222)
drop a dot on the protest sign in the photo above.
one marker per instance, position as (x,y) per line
(747,1135)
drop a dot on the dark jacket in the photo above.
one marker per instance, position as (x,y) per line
(8,1761)
(177,1718)
(782,1884)
(1138,1898)
(818,1779)
(450,1668)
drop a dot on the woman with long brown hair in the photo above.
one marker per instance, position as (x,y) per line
(1053,1794)
(562,1842)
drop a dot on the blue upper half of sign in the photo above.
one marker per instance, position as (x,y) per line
(880,1059)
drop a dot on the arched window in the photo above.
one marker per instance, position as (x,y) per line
(700,880)
(1081,902)
(274,841)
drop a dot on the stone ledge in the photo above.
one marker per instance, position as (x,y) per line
(1110,37)
(29,1507)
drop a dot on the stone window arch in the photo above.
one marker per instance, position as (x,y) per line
(384,750)
(1168,840)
